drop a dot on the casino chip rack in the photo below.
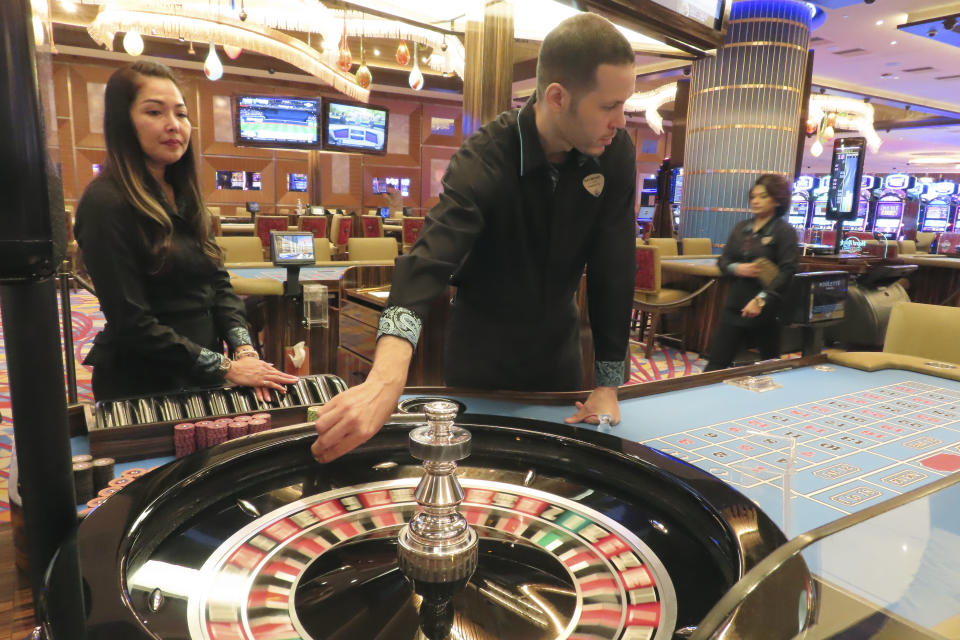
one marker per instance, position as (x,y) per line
(143,426)
(578,535)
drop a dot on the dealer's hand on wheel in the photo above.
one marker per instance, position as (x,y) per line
(602,402)
(354,416)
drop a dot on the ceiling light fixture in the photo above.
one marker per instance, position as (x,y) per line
(649,103)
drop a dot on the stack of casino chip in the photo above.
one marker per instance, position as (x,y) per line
(83,481)
(184,442)
(313,413)
(83,457)
(200,435)
(216,434)
(102,473)
(238,428)
(259,422)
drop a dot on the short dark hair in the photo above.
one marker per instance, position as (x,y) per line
(572,51)
(778,188)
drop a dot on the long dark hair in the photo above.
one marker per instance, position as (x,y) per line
(127,166)
(777,188)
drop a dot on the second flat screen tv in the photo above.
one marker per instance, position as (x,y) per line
(275,121)
(354,127)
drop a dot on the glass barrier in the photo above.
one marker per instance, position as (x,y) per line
(889,572)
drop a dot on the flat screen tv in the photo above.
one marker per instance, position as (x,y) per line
(276,121)
(354,127)
(296,182)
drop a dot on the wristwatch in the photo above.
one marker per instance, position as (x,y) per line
(225,365)
(761,299)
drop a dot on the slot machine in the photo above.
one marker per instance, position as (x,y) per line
(818,217)
(648,200)
(800,204)
(676,194)
(937,209)
(863,211)
(888,215)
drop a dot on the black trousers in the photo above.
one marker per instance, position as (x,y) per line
(732,335)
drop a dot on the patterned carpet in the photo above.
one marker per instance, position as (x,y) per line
(87,321)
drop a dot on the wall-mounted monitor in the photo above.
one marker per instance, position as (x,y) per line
(379,185)
(354,127)
(276,121)
(231,180)
(846,172)
(296,182)
(252,181)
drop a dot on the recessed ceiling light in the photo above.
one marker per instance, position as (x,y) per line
(879,22)
(893,42)
(376,52)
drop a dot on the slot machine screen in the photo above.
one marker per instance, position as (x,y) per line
(846,173)
(676,186)
(798,213)
(859,221)
(937,217)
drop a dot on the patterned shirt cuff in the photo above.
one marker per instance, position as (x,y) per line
(208,362)
(238,336)
(608,373)
(402,323)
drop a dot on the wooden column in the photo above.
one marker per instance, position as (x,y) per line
(313,178)
(488,81)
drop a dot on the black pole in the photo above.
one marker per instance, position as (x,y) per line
(28,303)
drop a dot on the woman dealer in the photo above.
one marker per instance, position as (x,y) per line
(145,235)
(760,257)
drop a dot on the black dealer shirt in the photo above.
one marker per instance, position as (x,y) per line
(514,233)
(165,326)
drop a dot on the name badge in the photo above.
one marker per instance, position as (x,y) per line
(593,183)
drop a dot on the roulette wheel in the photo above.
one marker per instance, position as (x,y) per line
(578,534)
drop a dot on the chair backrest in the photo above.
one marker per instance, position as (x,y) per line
(215,224)
(828,237)
(647,279)
(321,249)
(372,226)
(317,225)
(411,231)
(697,246)
(371,249)
(263,225)
(340,228)
(240,248)
(859,235)
(924,330)
(924,240)
(668,246)
(907,246)
(214,211)
(948,243)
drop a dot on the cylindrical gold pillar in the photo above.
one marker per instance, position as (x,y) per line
(744,113)
(488,74)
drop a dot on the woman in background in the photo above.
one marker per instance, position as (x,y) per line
(760,258)
(144,231)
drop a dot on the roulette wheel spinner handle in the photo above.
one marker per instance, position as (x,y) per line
(438,545)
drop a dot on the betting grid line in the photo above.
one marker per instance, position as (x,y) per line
(905,411)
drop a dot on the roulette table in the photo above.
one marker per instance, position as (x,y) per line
(581,535)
